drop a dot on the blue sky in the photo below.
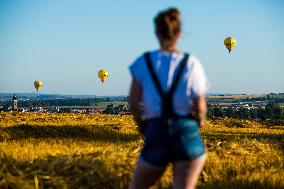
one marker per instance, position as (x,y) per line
(64,43)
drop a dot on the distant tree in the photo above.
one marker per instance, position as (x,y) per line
(253,113)
(6,105)
(122,108)
(243,113)
(273,111)
(66,110)
(269,110)
(278,112)
(109,109)
(231,112)
(116,110)
(28,104)
(218,112)
(261,113)
(210,113)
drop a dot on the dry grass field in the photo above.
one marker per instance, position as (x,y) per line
(99,151)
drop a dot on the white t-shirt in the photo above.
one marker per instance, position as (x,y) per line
(193,82)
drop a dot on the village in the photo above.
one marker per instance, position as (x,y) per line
(14,105)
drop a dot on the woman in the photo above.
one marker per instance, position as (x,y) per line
(170,85)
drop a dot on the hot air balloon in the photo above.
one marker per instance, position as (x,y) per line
(38,85)
(103,75)
(230,43)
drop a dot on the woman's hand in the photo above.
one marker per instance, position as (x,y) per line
(201,123)
(141,126)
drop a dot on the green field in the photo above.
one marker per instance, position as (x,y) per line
(100,151)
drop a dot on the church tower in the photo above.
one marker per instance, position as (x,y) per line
(15,103)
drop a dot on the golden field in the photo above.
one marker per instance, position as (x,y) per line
(100,151)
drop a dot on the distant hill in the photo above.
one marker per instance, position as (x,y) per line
(32,96)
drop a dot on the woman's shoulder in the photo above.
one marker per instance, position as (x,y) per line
(193,60)
(138,66)
(141,58)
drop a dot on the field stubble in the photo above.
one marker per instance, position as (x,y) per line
(100,151)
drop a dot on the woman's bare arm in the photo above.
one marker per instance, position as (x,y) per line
(134,100)
(200,109)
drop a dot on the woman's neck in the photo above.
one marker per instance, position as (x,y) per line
(169,48)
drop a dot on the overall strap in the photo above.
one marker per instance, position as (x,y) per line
(168,98)
(155,78)
(152,73)
(181,68)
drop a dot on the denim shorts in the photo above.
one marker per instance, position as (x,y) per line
(171,140)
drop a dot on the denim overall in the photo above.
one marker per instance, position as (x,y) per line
(170,137)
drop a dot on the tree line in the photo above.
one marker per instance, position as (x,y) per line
(271,111)
(271,98)
(59,102)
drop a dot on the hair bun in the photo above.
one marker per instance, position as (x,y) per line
(173,14)
(168,26)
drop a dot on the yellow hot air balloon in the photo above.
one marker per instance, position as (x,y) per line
(230,43)
(103,75)
(38,85)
